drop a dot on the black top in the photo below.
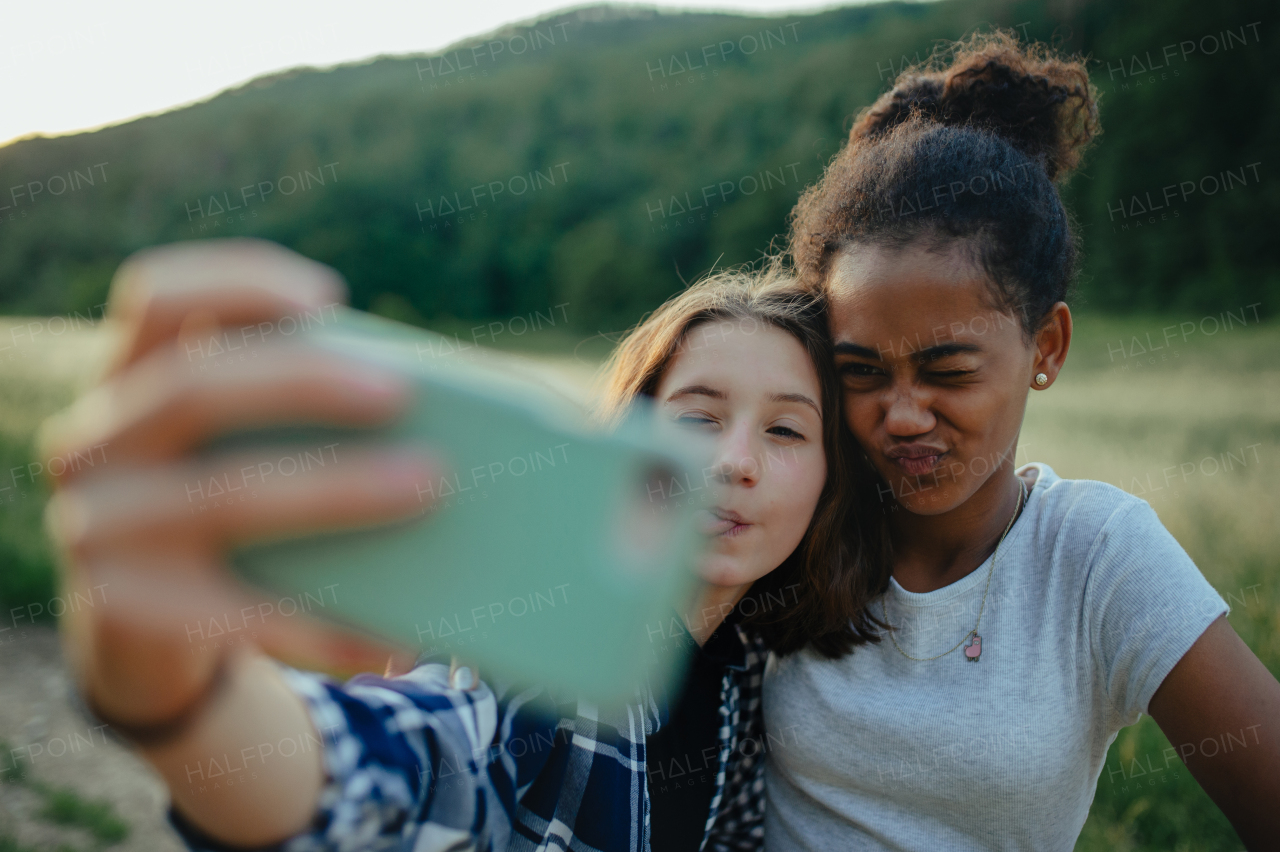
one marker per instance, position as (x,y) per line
(683,756)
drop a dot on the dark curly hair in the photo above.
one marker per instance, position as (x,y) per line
(968,145)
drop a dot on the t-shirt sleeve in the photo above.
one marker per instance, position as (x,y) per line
(1146,604)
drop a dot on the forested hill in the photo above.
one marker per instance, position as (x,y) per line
(597,158)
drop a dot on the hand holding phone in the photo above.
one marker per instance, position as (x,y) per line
(546,545)
(125,528)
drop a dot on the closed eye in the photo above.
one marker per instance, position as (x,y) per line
(856,368)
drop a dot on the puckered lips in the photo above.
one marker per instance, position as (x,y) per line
(723,522)
(916,458)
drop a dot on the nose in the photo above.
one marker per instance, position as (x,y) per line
(908,411)
(736,461)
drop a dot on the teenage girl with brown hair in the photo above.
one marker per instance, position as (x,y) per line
(437,759)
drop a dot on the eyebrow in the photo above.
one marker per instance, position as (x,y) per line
(796,397)
(703,390)
(931,353)
(695,390)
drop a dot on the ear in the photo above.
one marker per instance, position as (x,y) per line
(1051,344)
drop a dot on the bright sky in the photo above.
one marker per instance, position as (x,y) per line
(68,65)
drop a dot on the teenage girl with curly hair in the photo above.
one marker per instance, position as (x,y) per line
(1028,617)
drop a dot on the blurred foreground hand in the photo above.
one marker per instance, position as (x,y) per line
(126,528)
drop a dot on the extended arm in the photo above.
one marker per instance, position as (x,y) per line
(132,529)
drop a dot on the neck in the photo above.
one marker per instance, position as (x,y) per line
(710,607)
(933,551)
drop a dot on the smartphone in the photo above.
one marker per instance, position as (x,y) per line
(549,550)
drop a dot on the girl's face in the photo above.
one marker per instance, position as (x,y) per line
(934,379)
(756,393)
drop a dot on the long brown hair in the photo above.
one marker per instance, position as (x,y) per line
(841,563)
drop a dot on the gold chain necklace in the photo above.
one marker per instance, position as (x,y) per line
(973,648)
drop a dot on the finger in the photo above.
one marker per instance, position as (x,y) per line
(159,620)
(306,642)
(163,408)
(236,282)
(399,663)
(239,498)
(198,607)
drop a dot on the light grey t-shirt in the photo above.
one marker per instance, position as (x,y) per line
(1091,604)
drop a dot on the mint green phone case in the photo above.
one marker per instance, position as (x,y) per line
(553,553)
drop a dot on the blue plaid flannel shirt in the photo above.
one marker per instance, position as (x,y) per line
(416,763)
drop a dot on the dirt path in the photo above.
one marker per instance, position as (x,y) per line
(58,747)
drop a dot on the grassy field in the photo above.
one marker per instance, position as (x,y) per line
(1192,426)
(1194,429)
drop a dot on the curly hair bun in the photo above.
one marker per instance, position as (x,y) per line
(1040,103)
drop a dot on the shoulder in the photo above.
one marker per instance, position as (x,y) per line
(1076,517)
(1112,544)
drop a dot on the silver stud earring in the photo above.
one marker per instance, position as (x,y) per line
(1041,380)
